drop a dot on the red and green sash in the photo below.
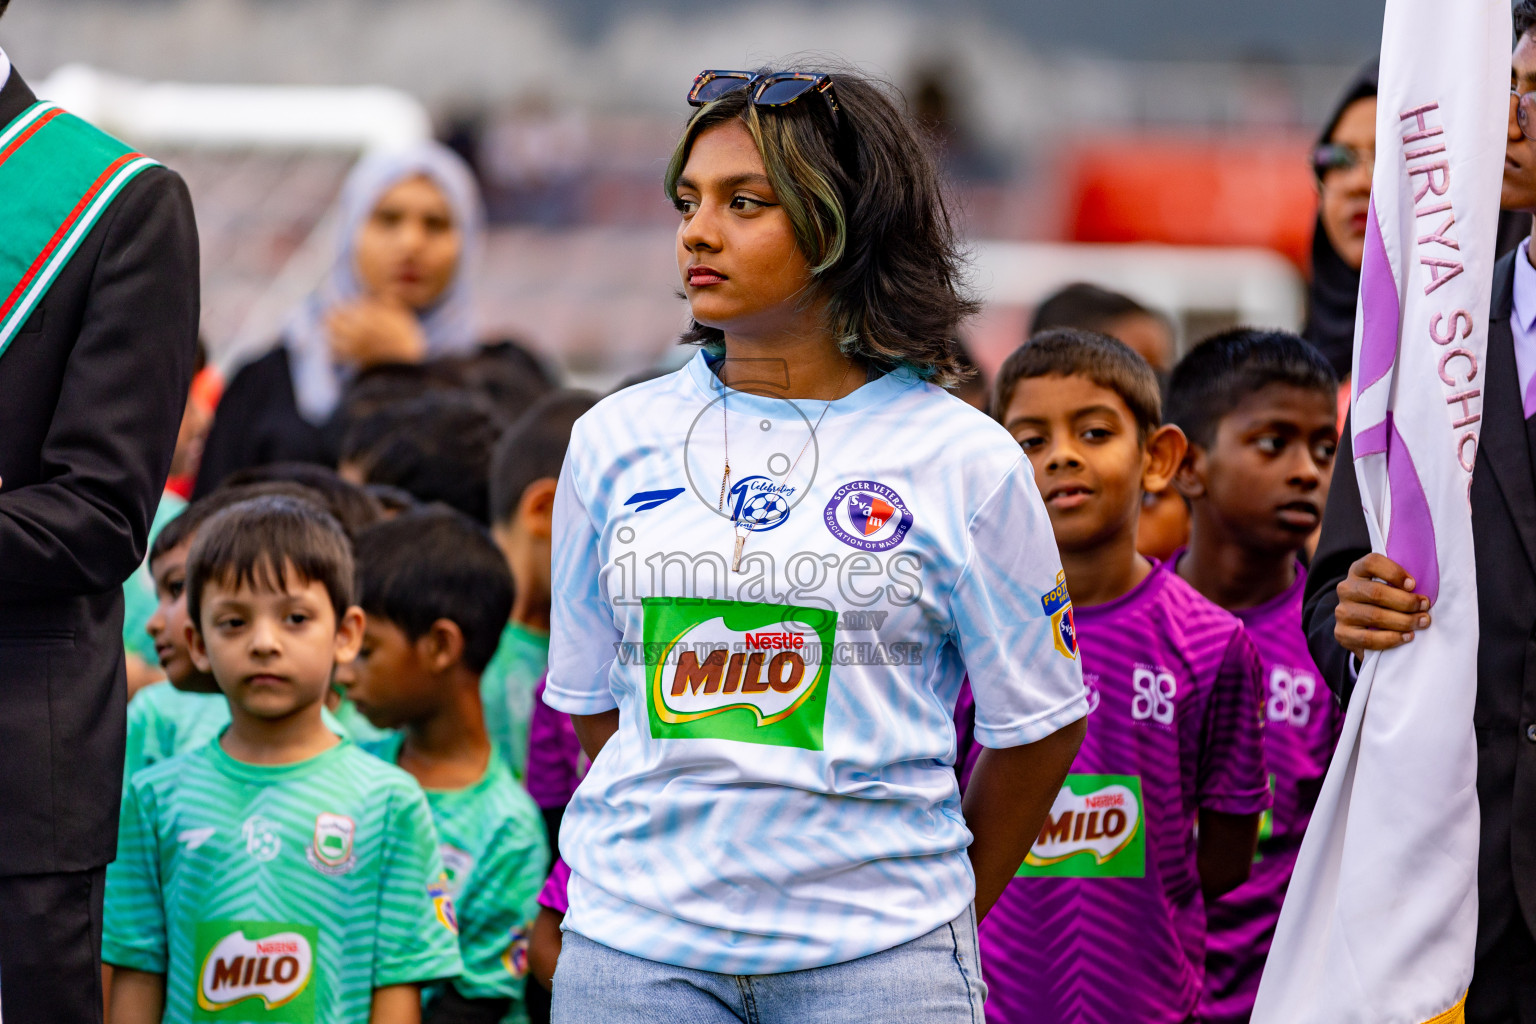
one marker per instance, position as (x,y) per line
(58,174)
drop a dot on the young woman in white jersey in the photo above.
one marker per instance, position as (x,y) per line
(772,570)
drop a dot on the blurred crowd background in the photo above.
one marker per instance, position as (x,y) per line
(1163,150)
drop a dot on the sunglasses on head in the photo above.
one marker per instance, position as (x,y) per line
(779,89)
(1337,156)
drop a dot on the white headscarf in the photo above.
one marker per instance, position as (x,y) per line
(448,323)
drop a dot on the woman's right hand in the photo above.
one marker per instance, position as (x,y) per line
(1378,609)
(372,331)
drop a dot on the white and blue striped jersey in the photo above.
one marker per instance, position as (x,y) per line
(780,794)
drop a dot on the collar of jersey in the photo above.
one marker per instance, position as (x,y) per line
(869,395)
(267,773)
(388,750)
(1153,582)
(1258,611)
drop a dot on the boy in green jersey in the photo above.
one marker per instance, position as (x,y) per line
(280,873)
(437,593)
(524,468)
(186,710)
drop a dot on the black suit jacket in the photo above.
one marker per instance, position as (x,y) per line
(92,391)
(1504,537)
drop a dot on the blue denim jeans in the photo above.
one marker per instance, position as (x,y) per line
(934,979)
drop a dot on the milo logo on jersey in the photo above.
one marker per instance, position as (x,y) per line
(255,971)
(1058,606)
(1095,830)
(735,670)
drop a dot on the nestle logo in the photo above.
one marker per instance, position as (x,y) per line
(278,946)
(774,641)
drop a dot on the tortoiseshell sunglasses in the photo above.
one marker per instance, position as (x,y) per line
(779,89)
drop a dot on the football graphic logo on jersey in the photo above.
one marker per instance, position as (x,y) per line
(331,851)
(1094,830)
(737,670)
(1058,606)
(267,961)
(758,503)
(261,839)
(867,515)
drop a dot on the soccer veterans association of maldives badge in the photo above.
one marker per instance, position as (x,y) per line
(868,515)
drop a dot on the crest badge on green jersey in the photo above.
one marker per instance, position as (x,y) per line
(331,851)
(514,959)
(255,971)
(735,670)
(1096,829)
(458,865)
(442,904)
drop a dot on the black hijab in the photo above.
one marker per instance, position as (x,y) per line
(1335,284)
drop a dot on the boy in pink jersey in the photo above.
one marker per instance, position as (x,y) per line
(1105,920)
(1260,413)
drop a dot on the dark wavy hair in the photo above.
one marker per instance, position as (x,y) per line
(1077,352)
(1524,18)
(863,193)
(1222,371)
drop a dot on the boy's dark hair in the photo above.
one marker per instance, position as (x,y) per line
(3,5)
(862,192)
(1525,17)
(1220,372)
(388,384)
(436,563)
(350,504)
(1073,352)
(534,448)
(392,499)
(186,524)
(254,542)
(436,447)
(505,373)
(1086,306)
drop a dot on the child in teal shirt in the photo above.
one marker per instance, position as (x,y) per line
(437,592)
(280,866)
(524,469)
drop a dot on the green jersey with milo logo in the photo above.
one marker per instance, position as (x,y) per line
(281,893)
(497,858)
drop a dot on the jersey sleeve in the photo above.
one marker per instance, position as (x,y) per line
(497,906)
(1013,620)
(133,925)
(417,938)
(582,636)
(1232,777)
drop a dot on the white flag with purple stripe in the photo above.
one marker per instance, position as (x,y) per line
(1381,915)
